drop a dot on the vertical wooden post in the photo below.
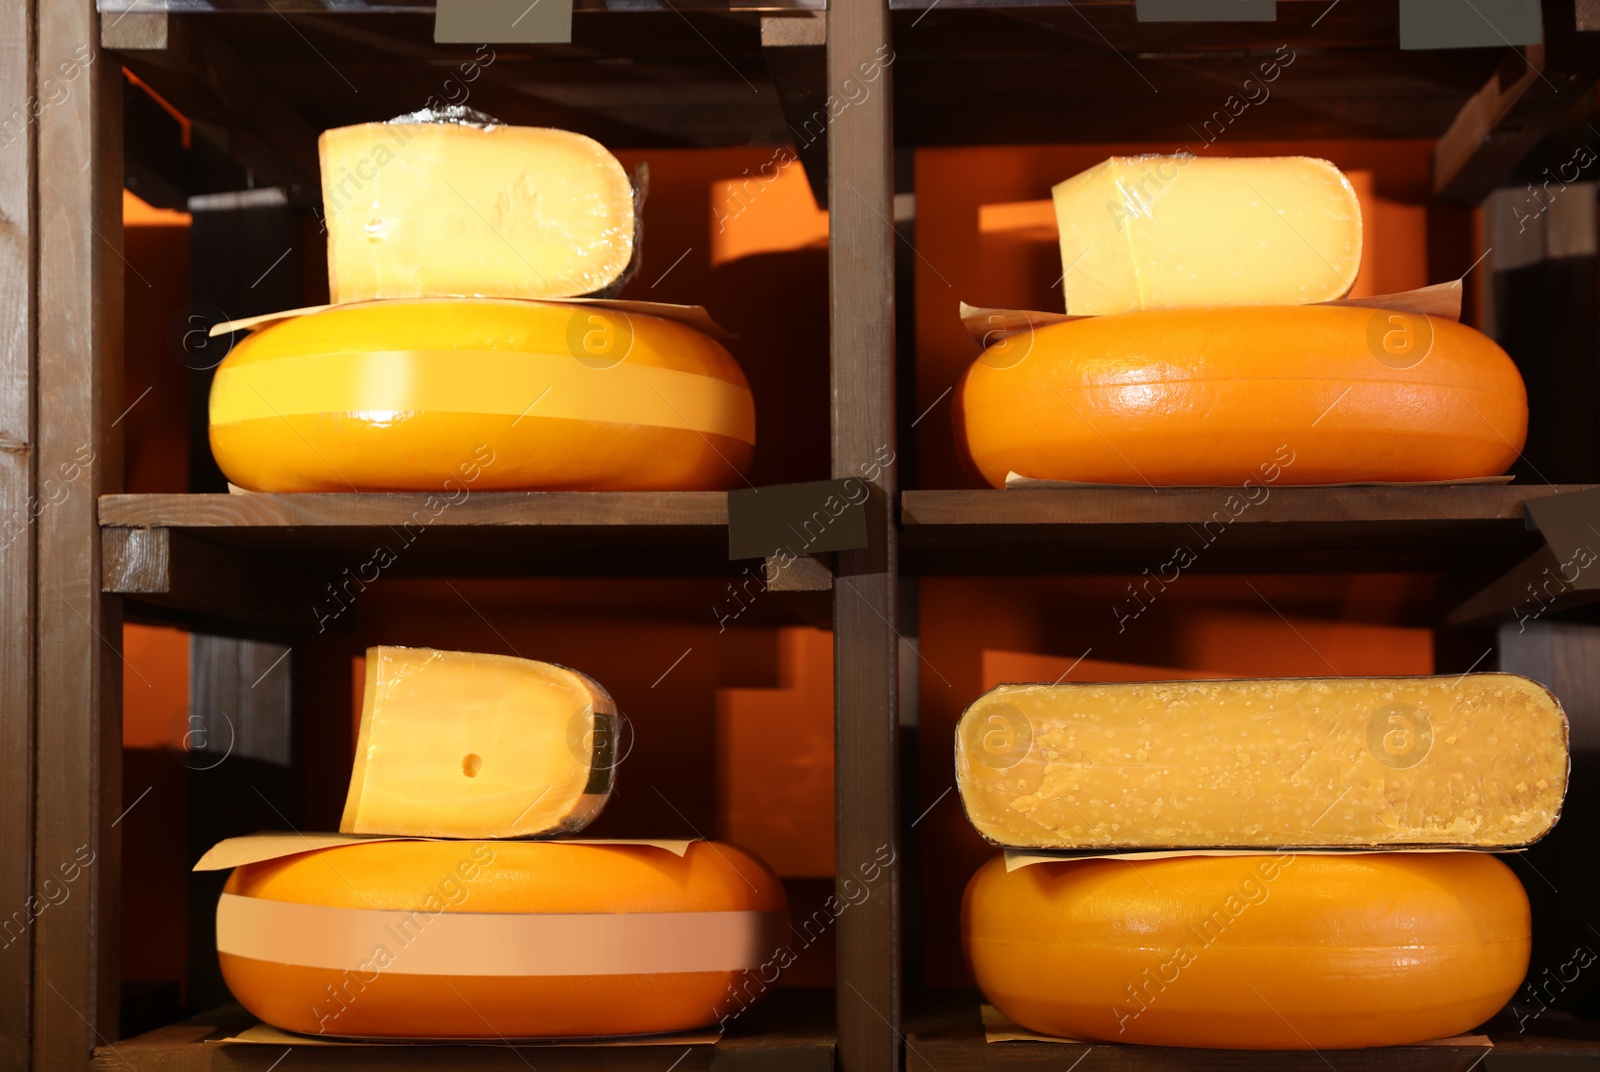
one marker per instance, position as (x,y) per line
(861,269)
(1561,873)
(78,738)
(240,776)
(1545,274)
(16,528)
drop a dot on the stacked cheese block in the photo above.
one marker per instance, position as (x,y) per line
(1202,358)
(469,934)
(452,241)
(1271,945)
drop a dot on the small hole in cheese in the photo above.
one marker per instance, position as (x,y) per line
(470,764)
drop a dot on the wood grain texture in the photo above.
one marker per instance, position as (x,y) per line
(78,792)
(516,509)
(17,265)
(339,537)
(866,644)
(1089,530)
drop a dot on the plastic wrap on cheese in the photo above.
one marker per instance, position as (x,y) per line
(1173,232)
(457,744)
(432,208)
(1475,761)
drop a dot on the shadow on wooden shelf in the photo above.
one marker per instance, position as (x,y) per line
(1294,529)
(944,1034)
(490,534)
(791,1032)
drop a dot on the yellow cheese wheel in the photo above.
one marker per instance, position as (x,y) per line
(501,939)
(1282,951)
(457,395)
(1275,395)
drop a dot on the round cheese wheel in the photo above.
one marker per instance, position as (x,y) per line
(500,939)
(1287,952)
(1274,394)
(455,395)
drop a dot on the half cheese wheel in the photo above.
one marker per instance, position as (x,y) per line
(1274,395)
(1289,952)
(460,744)
(433,209)
(500,939)
(455,396)
(1173,232)
(1469,761)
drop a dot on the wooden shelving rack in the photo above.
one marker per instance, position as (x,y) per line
(963,72)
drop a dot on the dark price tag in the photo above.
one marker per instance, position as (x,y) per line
(801,519)
(510,22)
(1206,10)
(1428,24)
(1570,525)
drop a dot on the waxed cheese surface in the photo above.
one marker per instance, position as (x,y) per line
(1172,232)
(449,209)
(1247,396)
(1280,950)
(497,940)
(1478,760)
(458,744)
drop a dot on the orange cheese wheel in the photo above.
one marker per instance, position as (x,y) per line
(1285,952)
(1277,395)
(500,939)
(457,395)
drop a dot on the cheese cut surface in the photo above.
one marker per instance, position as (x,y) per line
(455,744)
(1479,760)
(1174,232)
(418,210)
(455,396)
(497,940)
(1281,395)
(1250,952)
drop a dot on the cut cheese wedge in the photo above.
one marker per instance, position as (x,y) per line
(1173,232)
(1282,395)
(455,396)
(500,940)
(1250,952)
(455,744)
(420,210)
(1478,760)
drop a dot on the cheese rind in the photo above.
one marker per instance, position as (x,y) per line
(459,395)
(1281,951)
(499,939)
(454,209)
(1171,232)
(1478,761)
(457,744)
(1268,395)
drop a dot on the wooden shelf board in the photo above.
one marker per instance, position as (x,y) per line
(487,534)
(790,1032)
(1095,530)
(636,75)
(967,72)
(945,1035)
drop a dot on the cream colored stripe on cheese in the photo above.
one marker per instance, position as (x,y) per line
(494,943)
(500,382)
